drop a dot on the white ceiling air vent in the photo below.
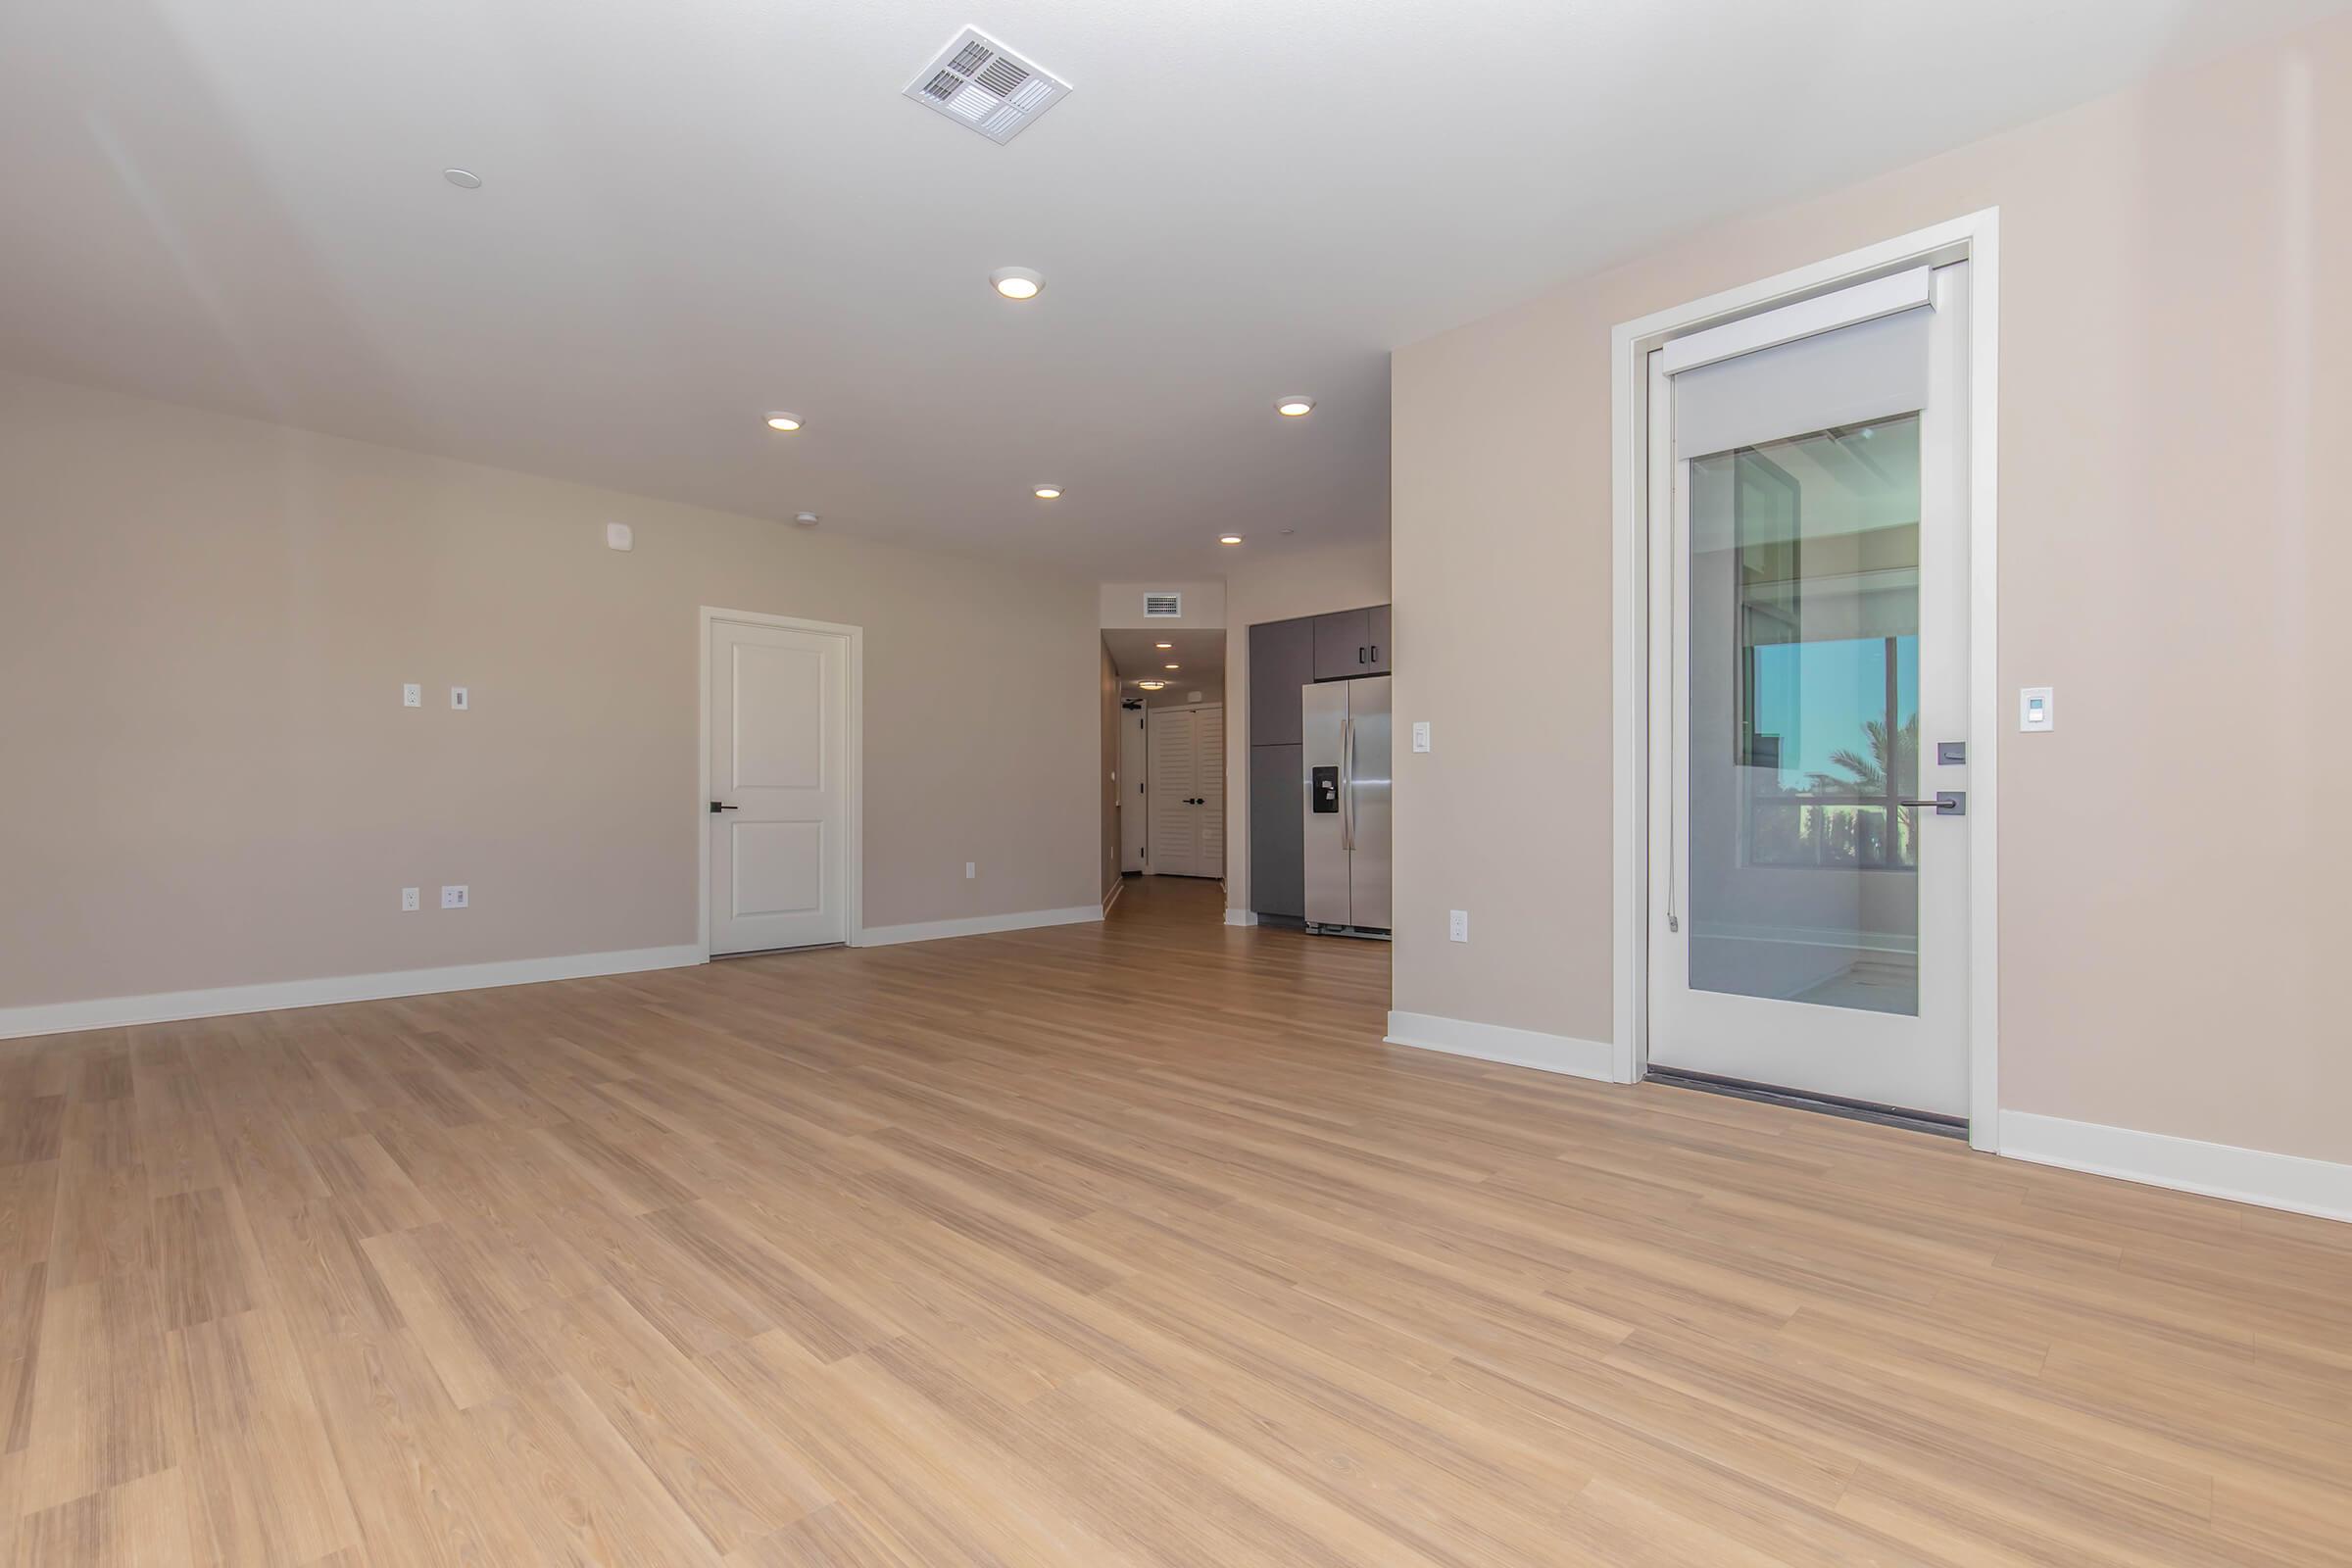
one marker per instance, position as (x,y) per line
(979,82)
(1164,607)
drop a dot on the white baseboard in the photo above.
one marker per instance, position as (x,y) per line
(2157,1159)
(162,1006)
(1113,897)
(1240,917)
(1516,1048)
(978,925)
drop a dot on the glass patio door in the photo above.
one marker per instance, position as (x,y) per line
(1809,698)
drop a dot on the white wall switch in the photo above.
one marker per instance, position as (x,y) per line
(972,869)
(619,537)
(457,696)
(1421,735)
(1459,928)
(411,696)
(408,899)
(2037,707)
(454,897)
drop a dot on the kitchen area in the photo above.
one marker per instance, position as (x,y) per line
(1320,743)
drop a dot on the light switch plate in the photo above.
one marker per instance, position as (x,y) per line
(454,896)
(972,869)
(619,537)
(2037,707)
(411,696)
(1460,927)
(457,698)
(1421,735)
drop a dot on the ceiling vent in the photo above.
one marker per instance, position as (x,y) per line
(1164,607)
(978,82)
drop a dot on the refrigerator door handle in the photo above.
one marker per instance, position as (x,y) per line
(1348,783)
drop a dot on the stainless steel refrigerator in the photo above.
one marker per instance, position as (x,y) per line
(1343,757)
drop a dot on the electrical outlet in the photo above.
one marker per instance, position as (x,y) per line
(411,900)
(454,897)
(457,698)
(411,696)
(1460,927)
(972,869)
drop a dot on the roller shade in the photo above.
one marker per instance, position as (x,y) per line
(1871,369)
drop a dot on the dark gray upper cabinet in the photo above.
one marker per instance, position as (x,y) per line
(1377,631)
(1281,659)
(1342,644)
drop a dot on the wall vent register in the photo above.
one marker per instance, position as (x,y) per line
(977,82)
(1164,607)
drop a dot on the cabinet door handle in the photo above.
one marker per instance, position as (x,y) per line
(1359,653)
(1376,653)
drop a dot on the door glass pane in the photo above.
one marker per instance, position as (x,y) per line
(1803,718)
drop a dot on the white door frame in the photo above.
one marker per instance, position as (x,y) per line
(1975,239)
(853,784)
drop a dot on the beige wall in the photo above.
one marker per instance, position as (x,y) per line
(1278,588)
(1182,696)
(209,779)
(2177,358)
(1122,604)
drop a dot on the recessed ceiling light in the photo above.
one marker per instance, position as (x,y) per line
(1228,538)
(807,519)
(1171,667)
(1163,644)
(463,178)
(1047,492)
(1016,282)
(1151,685)
(1294,407)
(783,421)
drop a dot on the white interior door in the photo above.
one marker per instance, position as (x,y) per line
(1209,789)
(1809,659)
(1175,770)
(779,815)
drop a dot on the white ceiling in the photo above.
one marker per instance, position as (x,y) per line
(1137,655)
(698,211)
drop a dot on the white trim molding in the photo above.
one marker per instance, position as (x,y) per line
(2290,1182)
(1240,917)
(1113,897)
(1493,1041)
(1975,239)
(165,1006)
(977,925)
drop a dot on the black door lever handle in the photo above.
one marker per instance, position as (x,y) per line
(715,807)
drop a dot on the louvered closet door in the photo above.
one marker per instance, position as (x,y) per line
(1175,766)
(1208,786)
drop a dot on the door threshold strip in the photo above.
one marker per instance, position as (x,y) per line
(1918,1121)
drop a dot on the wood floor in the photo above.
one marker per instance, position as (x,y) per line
(1094,1246)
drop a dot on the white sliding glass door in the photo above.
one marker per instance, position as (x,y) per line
(1810,624)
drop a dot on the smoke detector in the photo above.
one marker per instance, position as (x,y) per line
(977,82)
(807,519)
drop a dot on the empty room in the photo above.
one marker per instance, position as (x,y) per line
(1049,785)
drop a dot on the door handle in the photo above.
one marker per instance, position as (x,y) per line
(1376,653)
(1359,653)
(715,807)
(1948,803)
(1348,783)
